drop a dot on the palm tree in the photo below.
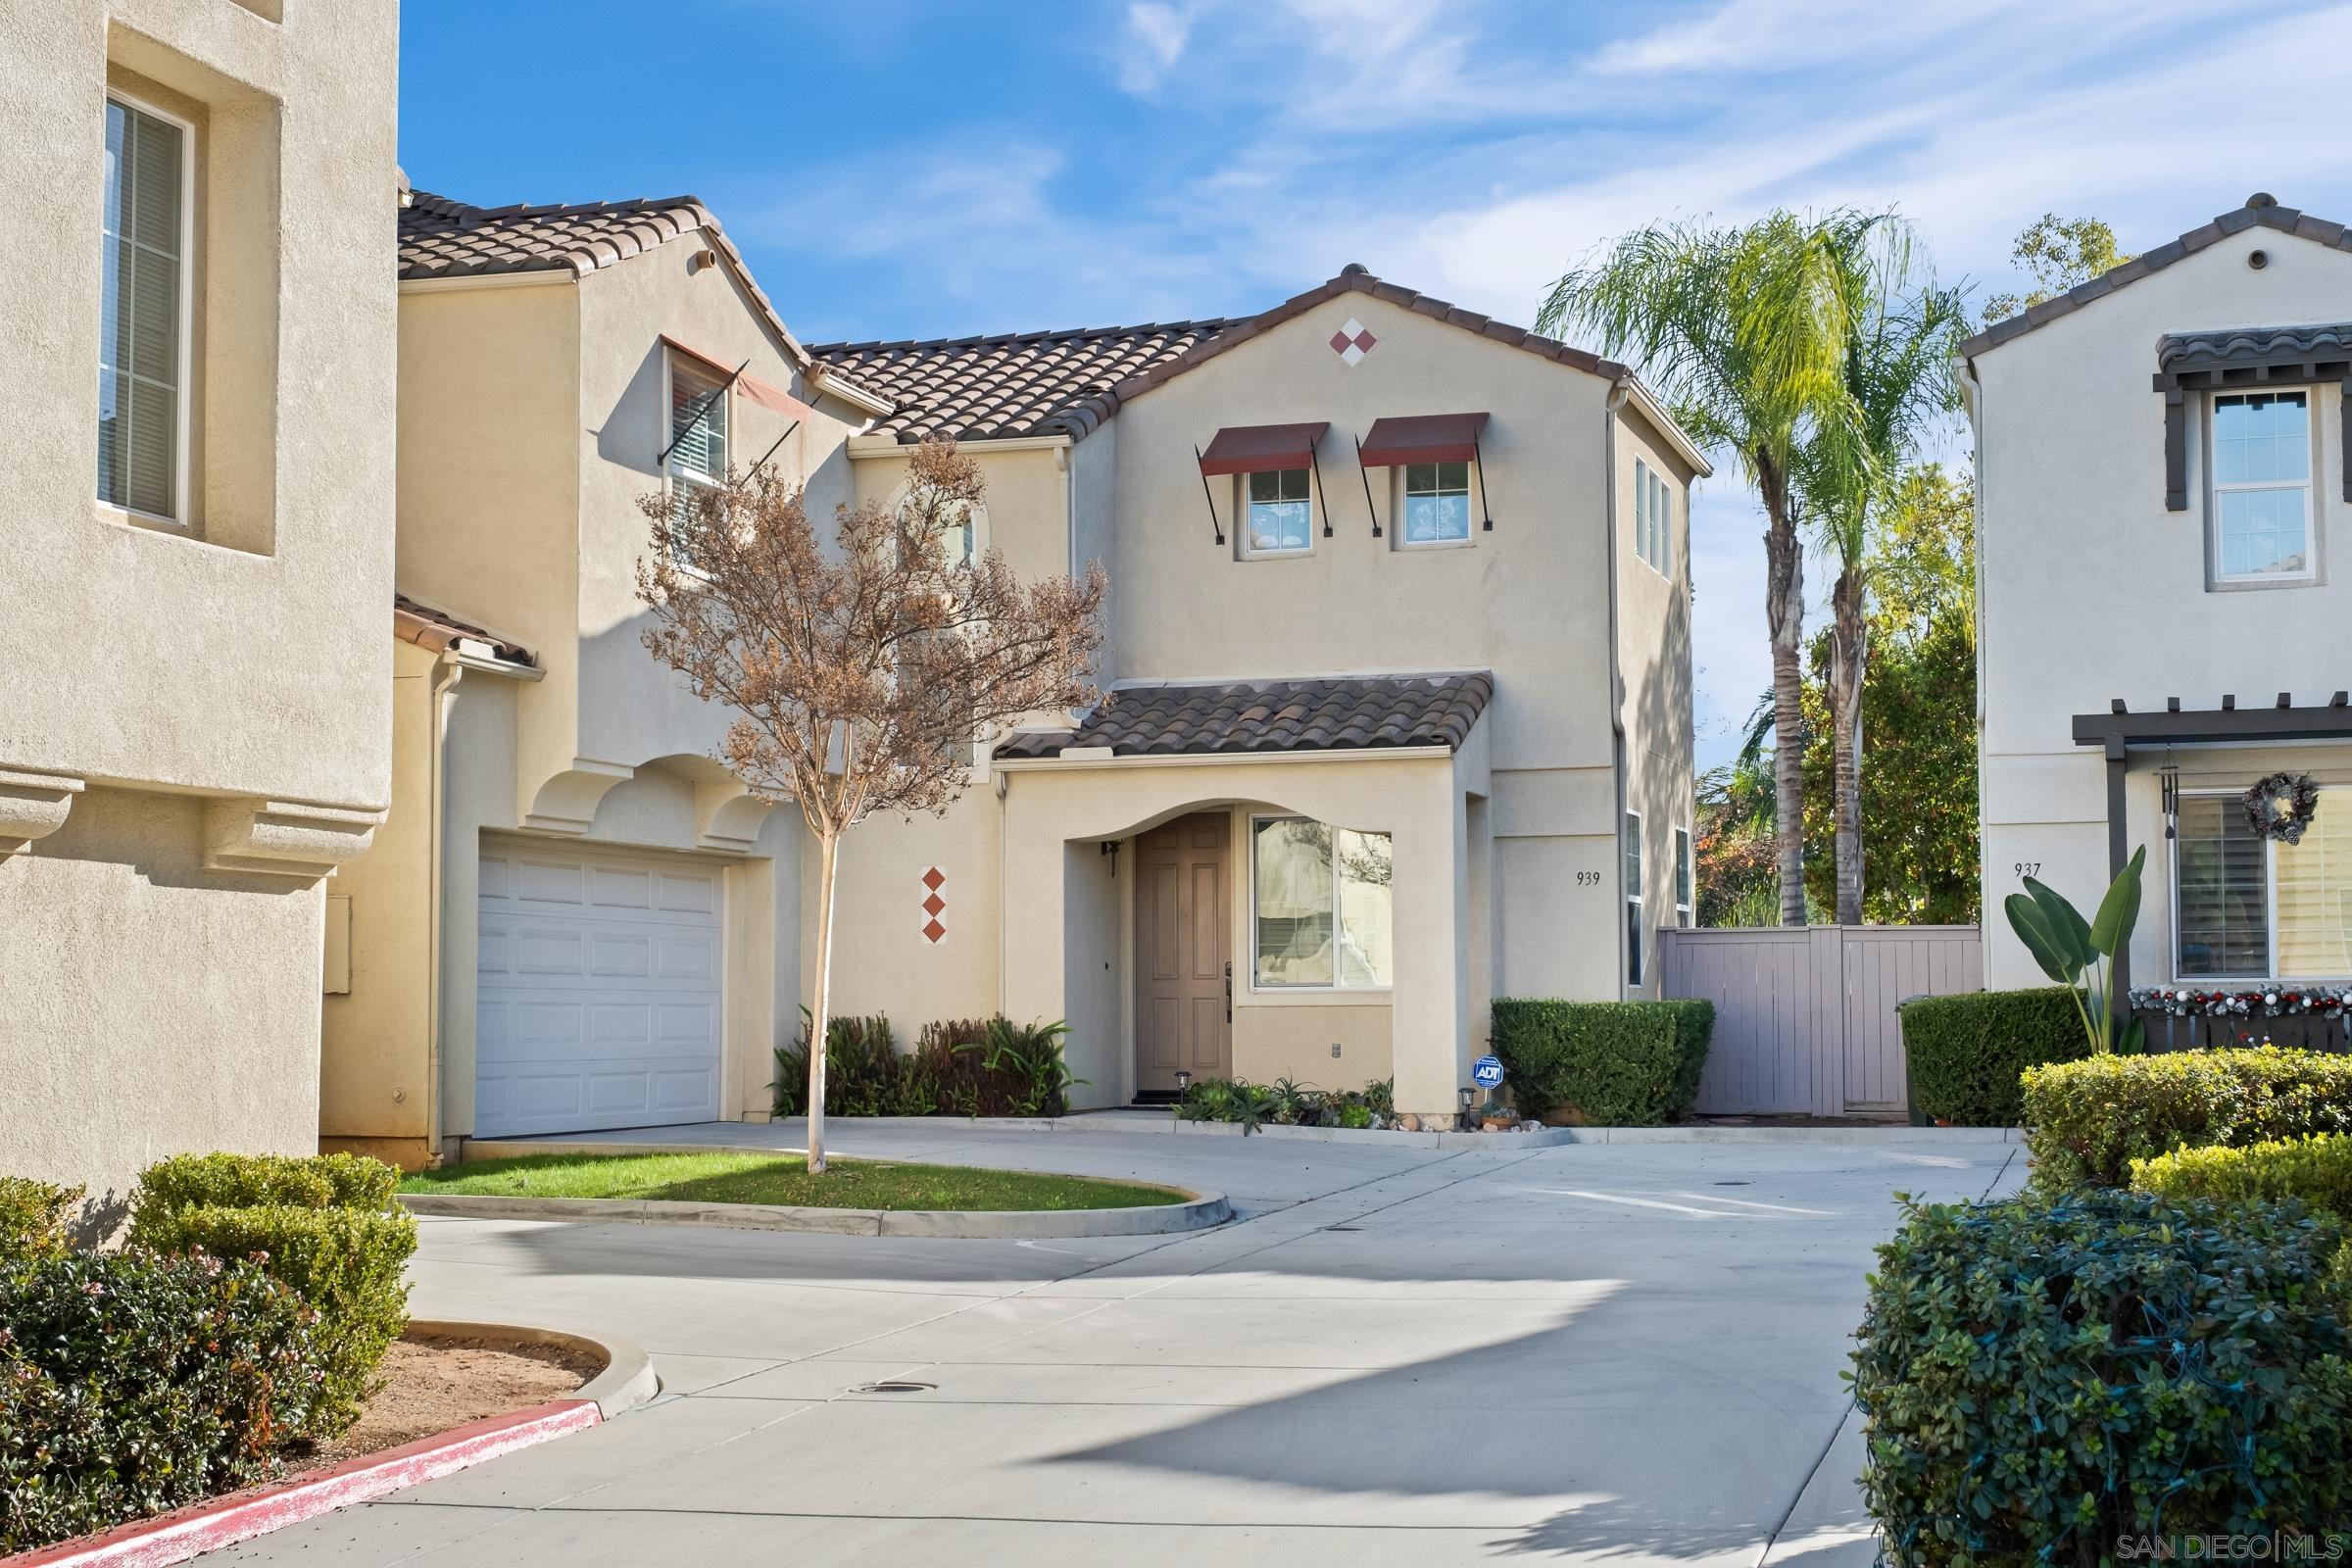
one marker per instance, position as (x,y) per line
(1900,338)
(1744,330)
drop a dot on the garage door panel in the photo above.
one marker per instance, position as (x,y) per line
(598,1001)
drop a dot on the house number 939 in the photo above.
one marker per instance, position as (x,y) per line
(1587,879)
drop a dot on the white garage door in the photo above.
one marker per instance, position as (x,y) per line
(599,1002)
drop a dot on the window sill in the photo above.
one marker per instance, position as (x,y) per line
(1419,545)
(1320,995)
(2241,585)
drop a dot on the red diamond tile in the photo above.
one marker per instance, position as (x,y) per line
(934,903)
(1339,342)
(933,877)
(934,931)
(1364,340)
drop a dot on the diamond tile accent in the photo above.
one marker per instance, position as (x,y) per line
(1352,341)
(933,876)
(933,931)
(933,905)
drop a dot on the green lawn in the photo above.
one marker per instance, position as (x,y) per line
(733,1178)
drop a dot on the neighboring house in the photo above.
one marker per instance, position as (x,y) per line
(198,336)
(2164,477)
(576,918)
(1398,639)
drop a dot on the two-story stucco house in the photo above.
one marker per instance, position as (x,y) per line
(197,329)
(2164,463)
(1399,649)
(1400,717)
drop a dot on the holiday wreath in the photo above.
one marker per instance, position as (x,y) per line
(2280,807)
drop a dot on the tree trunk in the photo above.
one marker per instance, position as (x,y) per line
(1850,654)
(1784,617)
(828,857)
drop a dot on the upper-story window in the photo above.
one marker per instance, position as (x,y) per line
(698,426)
(1436,503)
(2262,486)
(143,311)
(1653,519)
(1278,508)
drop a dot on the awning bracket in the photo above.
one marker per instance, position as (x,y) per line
(1209,496)
(771,451)
(702,405)
(1367,478)
(1321,499)
(1478,460)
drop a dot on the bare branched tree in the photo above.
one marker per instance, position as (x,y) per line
(861,674)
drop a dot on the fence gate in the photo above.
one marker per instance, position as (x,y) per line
(1804,1015)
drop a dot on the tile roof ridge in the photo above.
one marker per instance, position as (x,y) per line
(1034,335)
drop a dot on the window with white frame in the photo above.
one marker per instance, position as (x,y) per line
(2261,486)
(1661,526)
(1278,506)
(1681,877)
(2250,908)
(1320,910)
(1633,898)
(1436,503)
(697,428)
(143,310)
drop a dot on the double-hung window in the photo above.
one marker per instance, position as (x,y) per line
(1320,910)
(1653,519)
(1278,512)
(2250,908)
(2262,486)
(1681,877)
(698,429)
(1633,898)
(143,311)
(1436,503)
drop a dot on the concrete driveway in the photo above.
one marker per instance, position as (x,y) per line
(1619,1354)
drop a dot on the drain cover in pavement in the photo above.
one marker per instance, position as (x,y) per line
(1735,1184)
(894,1388)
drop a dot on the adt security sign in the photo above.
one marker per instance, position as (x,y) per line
(1486,1072)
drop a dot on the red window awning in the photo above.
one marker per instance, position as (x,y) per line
(1422,438)
(751,386)
(1262,448)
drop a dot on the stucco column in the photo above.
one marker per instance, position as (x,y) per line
(1431,948)
(1033,909)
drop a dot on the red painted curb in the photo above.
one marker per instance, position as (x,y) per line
(175,1537)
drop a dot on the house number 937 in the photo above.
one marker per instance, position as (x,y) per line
(2028,868)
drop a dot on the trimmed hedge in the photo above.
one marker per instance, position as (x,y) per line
(2043,1379)
(132,1384)
(1615,1063)
(2315,1170)
(35,1217)
(324,1226)
(1968,1051)
(2088,1120)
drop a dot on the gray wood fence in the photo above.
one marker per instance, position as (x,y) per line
(1804,1015)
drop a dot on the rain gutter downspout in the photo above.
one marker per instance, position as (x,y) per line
(1619,395)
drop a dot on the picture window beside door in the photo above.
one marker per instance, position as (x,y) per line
(1321,909)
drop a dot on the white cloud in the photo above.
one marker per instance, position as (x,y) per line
(1153,42)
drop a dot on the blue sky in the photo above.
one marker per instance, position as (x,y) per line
(915,170)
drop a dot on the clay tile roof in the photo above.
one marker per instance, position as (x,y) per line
(1349,713)
(427,626)
(1013,383)
(2189,351)
(442,238)
(2262,210)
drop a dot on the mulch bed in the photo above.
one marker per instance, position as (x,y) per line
(432,1386)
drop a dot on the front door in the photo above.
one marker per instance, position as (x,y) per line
(1184,974)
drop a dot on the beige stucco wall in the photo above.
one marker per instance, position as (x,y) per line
(2091,590)
(1653,629)
(223,690)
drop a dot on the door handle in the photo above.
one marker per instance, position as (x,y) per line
(1229,990)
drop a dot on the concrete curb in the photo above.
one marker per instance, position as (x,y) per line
(1851,1137)
(627,1381)
(1205,1209)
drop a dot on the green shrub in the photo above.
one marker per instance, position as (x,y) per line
(2041,1379)
(346,1263)
(2317,1170)
(1616,1063)
(35,1217)
(960,1067)
(252,1181)
(2087,1121)
(132,1384)
(1286,1103)
(1968,1051)
(324,1225)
